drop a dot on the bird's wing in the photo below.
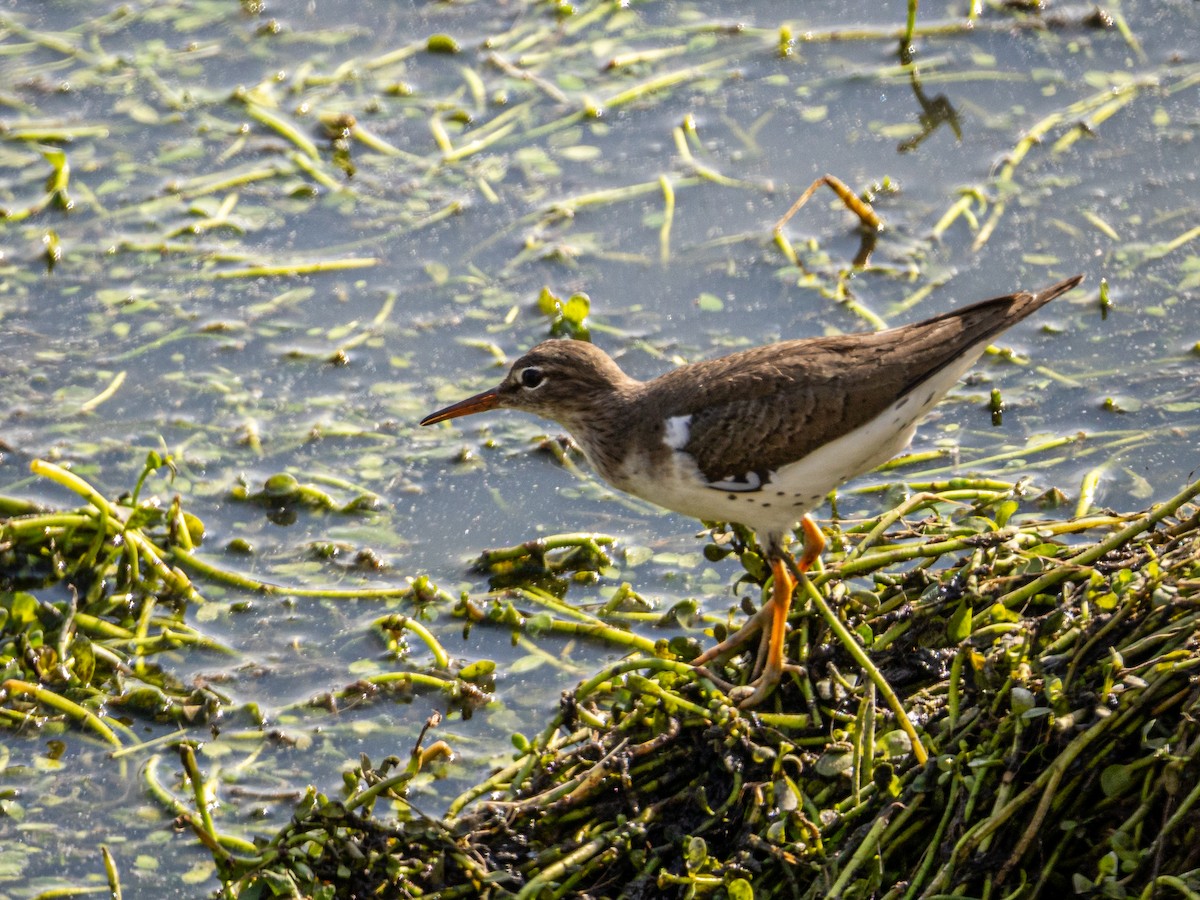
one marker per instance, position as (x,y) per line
(755,411)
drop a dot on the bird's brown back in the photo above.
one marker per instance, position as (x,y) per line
(760,409)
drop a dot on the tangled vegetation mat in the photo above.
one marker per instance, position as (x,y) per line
(1047,667)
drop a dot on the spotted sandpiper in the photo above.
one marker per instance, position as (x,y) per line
(758,437)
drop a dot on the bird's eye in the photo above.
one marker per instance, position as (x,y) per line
(531,377)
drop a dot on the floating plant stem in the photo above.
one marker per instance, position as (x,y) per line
(664,233)
(294,269)
(14,687)
(107,394)
(851,646)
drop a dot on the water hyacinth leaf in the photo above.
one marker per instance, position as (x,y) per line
(683,612)
(477,670)
(83,659)
(547,303)
(1005,511)
(363,667)
(1000,613)
(581,152)
(894,744)
(1116,779)
(527,663)
(1109,865)
(635,555)
(198,874)
(438,272)
(755,565)
(835,762)
(1048,550)
(22,609)
(442,43)
(538,623)
(958,627)
(281,485)
(977,524)
(1021,700)
(577,307)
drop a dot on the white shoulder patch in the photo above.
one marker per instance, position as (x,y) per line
(678,430)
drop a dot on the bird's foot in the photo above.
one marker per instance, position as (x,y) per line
(762,658)
(728,687)
(748,696)
(753,626)
(769,664)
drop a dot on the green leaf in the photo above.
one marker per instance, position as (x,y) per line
(547,303)
(958,629)
(83,654)
(895,743)
(22,609)
(636,555)
(1004,512)
(1117,779)
(442,43)
(439,273)
(478,669)
(577,307)
(1021,700)
(832,763)
(525,664)
(200,873)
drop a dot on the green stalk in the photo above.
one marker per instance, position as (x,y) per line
(852,647)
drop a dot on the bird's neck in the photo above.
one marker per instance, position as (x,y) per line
(604,428)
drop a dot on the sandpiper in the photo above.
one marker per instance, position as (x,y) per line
(759,437)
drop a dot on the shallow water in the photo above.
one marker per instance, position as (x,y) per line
(177,189)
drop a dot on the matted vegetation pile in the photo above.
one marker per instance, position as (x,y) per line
(1048,665)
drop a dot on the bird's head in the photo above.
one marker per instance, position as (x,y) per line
(562,380)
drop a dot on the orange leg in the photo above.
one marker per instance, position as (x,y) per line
(780,604)
(814,543)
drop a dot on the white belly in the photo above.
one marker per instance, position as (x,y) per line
(785,495)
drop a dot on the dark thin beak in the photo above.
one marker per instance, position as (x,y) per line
(489,399)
